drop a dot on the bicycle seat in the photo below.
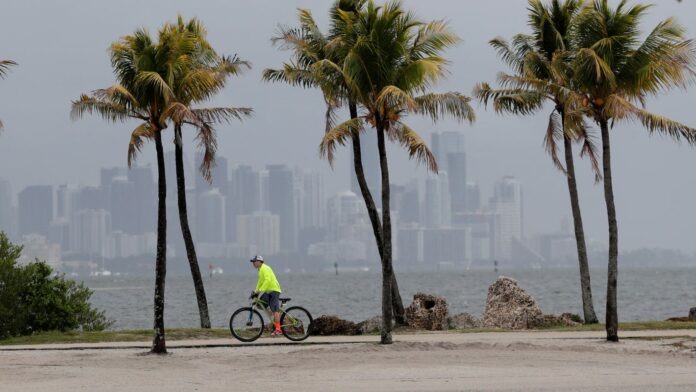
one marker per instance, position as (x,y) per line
(284,300)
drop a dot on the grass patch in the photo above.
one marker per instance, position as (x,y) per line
(145,335)
(630,326)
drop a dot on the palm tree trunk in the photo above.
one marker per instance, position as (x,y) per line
(397,304)
(387,272)
(159,345)
(585,287)
(612,319)
(186,231)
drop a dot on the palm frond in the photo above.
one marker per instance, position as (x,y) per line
(109,111)
(5,66)
(219,115)
(619,108)
(339,135)
(143,131)
(554,135)
(590,149)
(513,101)
(394,98)
(416,146)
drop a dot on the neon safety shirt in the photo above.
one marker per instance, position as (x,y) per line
(267,280)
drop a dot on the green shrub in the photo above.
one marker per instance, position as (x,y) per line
(33,298)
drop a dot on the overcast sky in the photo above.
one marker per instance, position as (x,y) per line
(61,48)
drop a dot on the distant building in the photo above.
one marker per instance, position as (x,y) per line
(143,210)
(437,207)
(447,245)
(282,202)
(37,247)
(410,244)
(506,204)
(260,230)
(88,232)
(35,210)
(122,202)
(210,227)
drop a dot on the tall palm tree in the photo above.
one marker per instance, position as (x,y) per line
(310,48)
(142,93)
(545,55)
(204,74)
(615,70)
(392,61)
(4,66)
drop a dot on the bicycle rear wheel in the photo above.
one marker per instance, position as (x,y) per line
(246,324)
(296,323)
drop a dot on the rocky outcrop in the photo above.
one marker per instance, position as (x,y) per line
(691,317)
(369,326)
(427,312)
(332,325)
(564,320)
(692,314)
(463,321)
(509,306)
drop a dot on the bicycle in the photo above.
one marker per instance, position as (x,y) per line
(246,324)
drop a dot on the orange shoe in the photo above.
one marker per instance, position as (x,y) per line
(277,332)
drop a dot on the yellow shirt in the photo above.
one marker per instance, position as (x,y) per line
(267,280)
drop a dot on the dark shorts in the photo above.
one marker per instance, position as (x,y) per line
(272,299)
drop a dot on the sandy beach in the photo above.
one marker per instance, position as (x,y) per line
(505,361)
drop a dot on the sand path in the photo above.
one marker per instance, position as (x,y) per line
(509,361)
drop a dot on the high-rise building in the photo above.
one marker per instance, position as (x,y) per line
(92,198)
(259,230)
(244,197)
(410,244)
(506,204)
(312,203)
(35,210)
(6,219)
(448,148)
(88,232)
(407,202)
(281,198)
(210,217)
(447,245)
(122,200)
(67,200)
(473,197)
(144,208)
(437,206)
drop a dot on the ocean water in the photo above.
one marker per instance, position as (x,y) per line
(644,294)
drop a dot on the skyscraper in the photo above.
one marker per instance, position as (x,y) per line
(506,204)
(437,207)
(210,217)
(88,232)
(220,175)
(260,231)
(448,148)
(122,200)
(143,209)
(35,210)
(281,198)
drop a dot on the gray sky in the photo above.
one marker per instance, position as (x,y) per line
(61,47)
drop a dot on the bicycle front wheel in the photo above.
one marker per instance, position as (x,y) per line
(246,324)
(296,323)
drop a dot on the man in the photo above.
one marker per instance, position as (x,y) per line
(269,288)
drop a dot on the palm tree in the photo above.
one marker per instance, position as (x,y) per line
(4,66)
(142,93)
(615,69)
(392,60)
(203,76)
(310,48)
(545,55)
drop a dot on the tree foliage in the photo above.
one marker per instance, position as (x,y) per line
(34,298)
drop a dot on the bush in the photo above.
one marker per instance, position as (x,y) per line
(33,298)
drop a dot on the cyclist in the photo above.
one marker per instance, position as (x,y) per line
(269,288)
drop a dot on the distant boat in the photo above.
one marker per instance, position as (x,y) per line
(217,271)
(102,272)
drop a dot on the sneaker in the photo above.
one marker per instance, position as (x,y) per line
(276,333)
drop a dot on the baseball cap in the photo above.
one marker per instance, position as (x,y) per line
(257,257)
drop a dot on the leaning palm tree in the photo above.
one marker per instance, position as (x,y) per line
(544,56)
(392,60)
(142,93)
(4,66)
(310,48)
(616,70)
(204,74)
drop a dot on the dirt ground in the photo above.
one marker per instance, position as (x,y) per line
(506,361)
